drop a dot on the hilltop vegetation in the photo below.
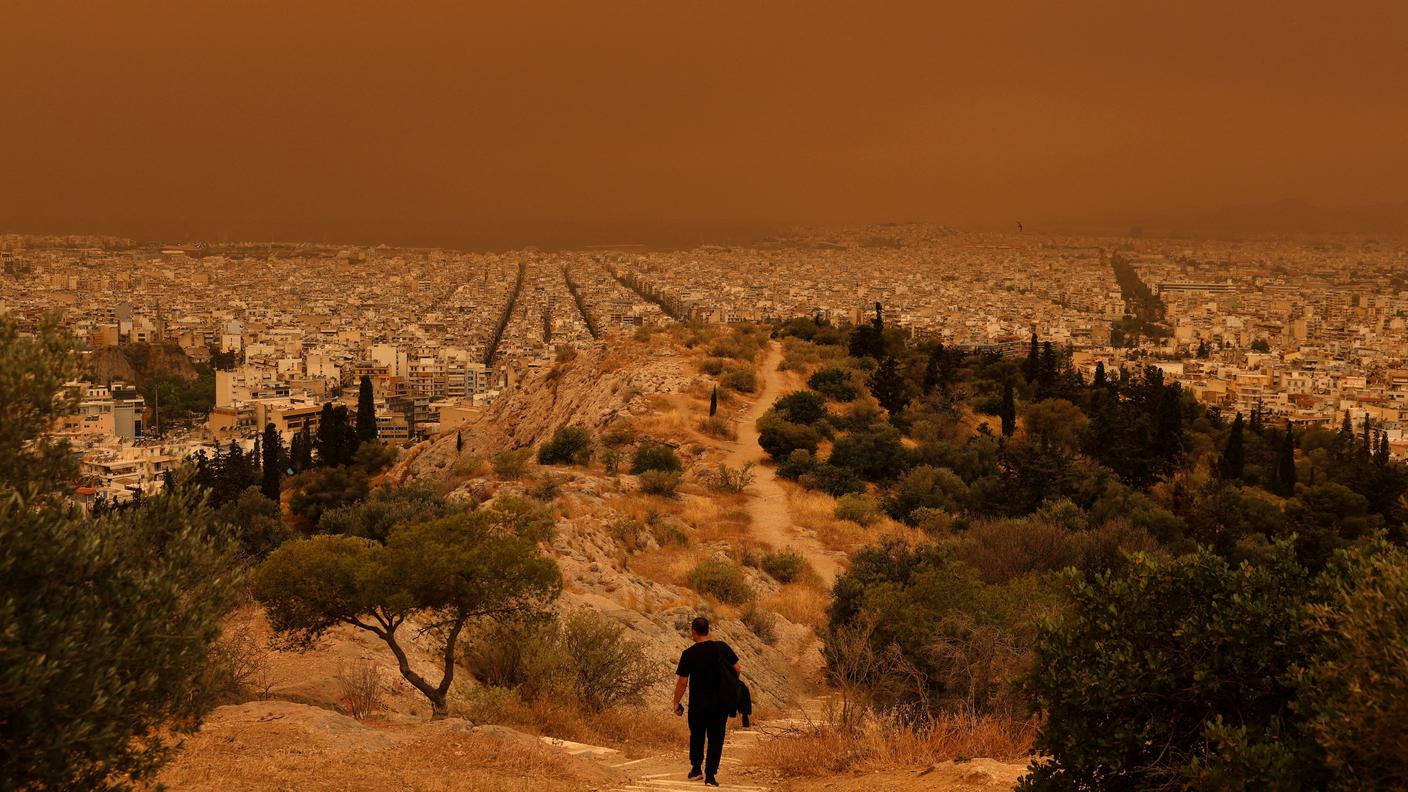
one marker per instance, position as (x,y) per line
(1148,578)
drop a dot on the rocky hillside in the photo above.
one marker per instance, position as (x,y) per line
(140,363)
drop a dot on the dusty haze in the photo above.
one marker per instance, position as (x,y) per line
(466,123)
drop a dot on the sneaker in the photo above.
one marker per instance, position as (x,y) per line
(711,781)
(694,773)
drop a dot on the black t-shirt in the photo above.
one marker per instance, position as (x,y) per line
(703,663)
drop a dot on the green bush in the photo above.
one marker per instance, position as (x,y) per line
(834,383)
(875,453)
(327,489)
(570,445)
(1177,666)
(801,407)
(780,438)
(740,378)
(658,482)
(858,508)
(721,580)
(655,456)
(386,508)
(585,655)
(785,566)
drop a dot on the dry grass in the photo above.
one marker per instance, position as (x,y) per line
(635,731)
(800,603)
(880,745)
(817,511)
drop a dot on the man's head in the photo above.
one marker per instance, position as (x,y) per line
(699,628)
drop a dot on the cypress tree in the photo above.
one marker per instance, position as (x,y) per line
(1046,375)
(347,426)
(1256,422)
(273,462)
(459,440)
(714,402)
(1033,365)
(295,451)
(1286,464)
(1230,466)
(1008,411)
(1346,439)
(1099,381)
(1366,444)
(366,411)
(1381,453)
(329,438)
(934,369)
(304,460)
(1168,425)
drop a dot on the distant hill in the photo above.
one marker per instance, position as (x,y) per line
(1287,217)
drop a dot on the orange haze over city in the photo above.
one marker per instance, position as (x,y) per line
(573,122)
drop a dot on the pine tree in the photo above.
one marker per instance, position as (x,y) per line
(714,402)
(1008,411)
(888,386)
(1202,349)
(1230,466)
(273,462)
(366,411)
(1168,426)
(1286,464)
(1048,369)
(1033,365)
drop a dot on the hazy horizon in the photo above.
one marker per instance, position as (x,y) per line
(556,124)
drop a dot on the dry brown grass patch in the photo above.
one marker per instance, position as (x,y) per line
(800,603)
(881,745)
(633,730)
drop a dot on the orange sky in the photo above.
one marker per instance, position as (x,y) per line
(461,123)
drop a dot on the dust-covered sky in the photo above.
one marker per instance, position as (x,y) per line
(464,122)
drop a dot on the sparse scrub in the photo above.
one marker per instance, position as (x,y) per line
(546,488)
(511,464)
(726,479)
(712,366)
(361,687)
(721,580)
(659,483)
(740,378)
(799,604)
(763,623)
(718,426)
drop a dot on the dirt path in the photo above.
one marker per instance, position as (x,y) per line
(767,505)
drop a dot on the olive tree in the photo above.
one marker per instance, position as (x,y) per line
(443,572)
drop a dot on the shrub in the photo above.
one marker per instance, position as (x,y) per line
(721,580)
(361,687)
(373,456)
(834,383)
(798,463)
(712,366)
(762,623)
(785,566)
(611,460)
(726,479)
(1172,666)
(801,407)
(718,426)
(874,453)
(858,508)
(326,489)
(585,656)
(740,378)
(511,464)
(780,438)
(834,481)
(256,521)
(545,489)
(386,508)
(658,482)
(655,456)
(927,487)
(570,445)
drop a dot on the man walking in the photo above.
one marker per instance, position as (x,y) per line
(709,671)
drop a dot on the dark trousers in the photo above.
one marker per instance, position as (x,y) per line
(712,727)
